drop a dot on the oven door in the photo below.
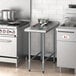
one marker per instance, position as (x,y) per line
(8,47)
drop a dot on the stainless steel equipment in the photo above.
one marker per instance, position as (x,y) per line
(50,26)
(11,39)
(8,15)
(9,44)
(66,41)
(66,45)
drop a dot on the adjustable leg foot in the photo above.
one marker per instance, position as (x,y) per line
(29,70)
(43,72)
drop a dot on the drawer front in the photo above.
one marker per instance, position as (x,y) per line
(66,35)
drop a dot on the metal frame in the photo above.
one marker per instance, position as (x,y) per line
(42,51)
(42,46)
(54,44)
(29,53)
(36,55)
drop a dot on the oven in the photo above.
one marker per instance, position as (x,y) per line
(10,44)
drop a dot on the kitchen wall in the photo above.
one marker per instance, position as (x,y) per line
(52,9)
(22,7)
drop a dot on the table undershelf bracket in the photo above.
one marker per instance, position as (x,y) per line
(52,54)
(36,55)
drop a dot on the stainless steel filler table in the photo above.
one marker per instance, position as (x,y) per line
(42,30)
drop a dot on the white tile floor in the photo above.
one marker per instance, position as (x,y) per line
(50,69)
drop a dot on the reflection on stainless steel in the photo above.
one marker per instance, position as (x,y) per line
(42,26)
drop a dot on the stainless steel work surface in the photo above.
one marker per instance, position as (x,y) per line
(44,29)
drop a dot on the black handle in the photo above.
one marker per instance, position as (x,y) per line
(66,31)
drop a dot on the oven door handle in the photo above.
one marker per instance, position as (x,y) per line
(5,40)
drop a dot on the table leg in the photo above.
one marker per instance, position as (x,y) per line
(29,53)
(54,45)
(43,51)
(41,45)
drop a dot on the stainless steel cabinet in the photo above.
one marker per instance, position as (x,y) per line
(66,48)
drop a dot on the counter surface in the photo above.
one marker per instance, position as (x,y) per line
(44,29)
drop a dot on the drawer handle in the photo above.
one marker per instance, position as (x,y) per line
(66,31)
